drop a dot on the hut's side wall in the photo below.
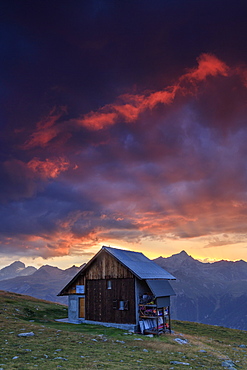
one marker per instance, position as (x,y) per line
(73,308)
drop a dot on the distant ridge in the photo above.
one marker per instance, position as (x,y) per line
(44,283)
(210,293)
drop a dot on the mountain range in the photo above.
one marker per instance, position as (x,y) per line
(44,283)
(209,293)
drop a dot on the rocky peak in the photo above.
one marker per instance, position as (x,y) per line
(182,256)
(12,270)
(17,265)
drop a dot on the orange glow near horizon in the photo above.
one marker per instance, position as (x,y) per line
(128,136)
(158,171)
(159,249)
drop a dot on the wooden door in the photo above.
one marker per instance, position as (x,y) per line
(82,307)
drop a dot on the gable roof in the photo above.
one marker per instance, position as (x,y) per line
(141,266)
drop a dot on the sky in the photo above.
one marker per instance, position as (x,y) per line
(123,123)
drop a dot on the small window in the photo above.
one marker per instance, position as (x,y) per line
(80,289)
(121,305)
(109,285)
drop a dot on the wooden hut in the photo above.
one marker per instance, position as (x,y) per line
(122,289)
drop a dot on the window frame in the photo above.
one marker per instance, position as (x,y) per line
(109,284)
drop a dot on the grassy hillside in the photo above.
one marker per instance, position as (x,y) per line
(59,345)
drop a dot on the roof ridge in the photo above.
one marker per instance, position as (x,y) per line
(143,272)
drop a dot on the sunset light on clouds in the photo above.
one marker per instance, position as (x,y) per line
(130,134)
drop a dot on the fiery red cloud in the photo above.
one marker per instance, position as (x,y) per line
(129,106)
(157,193)
(50,168)
(116,132)
(46,129)
(133,105)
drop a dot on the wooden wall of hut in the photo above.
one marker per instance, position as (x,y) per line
(111,305)
(106,267)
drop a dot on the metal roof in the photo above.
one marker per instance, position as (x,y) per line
(139,264)
(160,288)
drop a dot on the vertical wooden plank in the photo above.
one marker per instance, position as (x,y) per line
(82,307)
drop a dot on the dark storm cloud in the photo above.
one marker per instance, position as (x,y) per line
(121,121)
(23,180)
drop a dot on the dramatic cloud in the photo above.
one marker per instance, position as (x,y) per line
(123,132)
(21,179)
(130,106)
(50,168)
(45,130)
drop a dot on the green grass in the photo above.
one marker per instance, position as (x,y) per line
(217,333)
(67,346)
